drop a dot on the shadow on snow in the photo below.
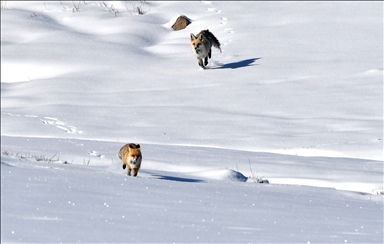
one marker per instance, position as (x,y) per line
(238,64)
(179,179)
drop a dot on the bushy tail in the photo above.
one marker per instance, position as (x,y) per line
(120,154)
(213,39)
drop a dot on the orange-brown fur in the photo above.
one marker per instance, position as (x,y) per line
(131,156)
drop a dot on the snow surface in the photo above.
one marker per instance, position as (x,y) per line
(295,98)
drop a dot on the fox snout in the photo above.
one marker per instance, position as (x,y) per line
(133,161)
(197,48)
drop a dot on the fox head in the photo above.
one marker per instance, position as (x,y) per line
(196,42)
(134,154)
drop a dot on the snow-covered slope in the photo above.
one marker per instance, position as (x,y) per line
(296,97)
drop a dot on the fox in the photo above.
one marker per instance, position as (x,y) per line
(131,156)
(202,45)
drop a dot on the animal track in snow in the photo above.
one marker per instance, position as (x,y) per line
(224,21)
(213,9)
(227,42)
(60,125)
(12,115)
(18,115)
(51,121)
(96,154)
(228,30)
(210,9)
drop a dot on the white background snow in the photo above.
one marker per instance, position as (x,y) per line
(296,97)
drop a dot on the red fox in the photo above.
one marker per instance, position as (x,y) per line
(202,44)
(131,156)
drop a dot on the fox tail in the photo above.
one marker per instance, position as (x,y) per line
(213,39)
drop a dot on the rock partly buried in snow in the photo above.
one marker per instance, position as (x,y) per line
(181,23)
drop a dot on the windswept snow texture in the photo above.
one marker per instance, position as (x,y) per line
(294,99)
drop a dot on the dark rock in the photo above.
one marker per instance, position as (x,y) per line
(181,23)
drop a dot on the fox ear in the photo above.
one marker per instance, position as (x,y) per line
(138,146)
(193,37)
(201,37)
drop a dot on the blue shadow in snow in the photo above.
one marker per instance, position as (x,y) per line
(239,64)
(179,179)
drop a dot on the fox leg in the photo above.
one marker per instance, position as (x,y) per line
(201,63)
(209,53)
(206,61)
(135,171)
(129,170)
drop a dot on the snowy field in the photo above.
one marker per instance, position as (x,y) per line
(295,98)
